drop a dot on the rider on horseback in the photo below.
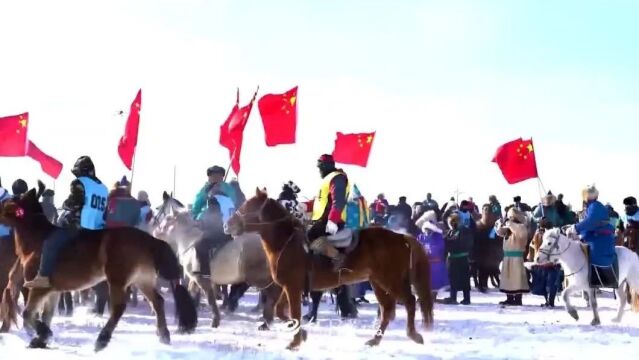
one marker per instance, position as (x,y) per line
(288,199)
(216,176)
(19,187)
(595,229)
(122,209)
(329,211)
(84,209)
(219,209)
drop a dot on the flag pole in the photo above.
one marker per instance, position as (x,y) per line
(132,169)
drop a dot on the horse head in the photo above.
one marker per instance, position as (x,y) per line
(631,238)
(15,210)
(258,211)
(167,216)
(553,245)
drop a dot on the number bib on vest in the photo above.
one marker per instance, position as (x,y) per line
(95,203)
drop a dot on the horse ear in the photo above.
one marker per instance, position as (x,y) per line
(165,196)
(41,188)
(258,192)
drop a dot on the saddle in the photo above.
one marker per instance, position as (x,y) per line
(602,276)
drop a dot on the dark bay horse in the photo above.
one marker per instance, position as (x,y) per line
(123,257)
(391,262)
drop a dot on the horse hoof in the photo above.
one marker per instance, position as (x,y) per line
(215,323)
(416,338)
(37,343)
(166,340)
(574,314)
(616,320)
(595,322)
(374,341)
(293,346)
(263,327)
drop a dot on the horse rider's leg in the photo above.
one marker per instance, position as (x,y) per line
(622,299)
(566,297)
(209,290)
(387,306)
(294,295)
(407,297)
(37,297)
(156,301)
(117,292)
(593,302)
(316,297)
(272,295)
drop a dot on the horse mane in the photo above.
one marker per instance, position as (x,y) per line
(281,212)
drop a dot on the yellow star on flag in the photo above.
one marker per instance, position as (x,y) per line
(292,100)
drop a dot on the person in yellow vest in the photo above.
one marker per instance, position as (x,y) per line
(329,211)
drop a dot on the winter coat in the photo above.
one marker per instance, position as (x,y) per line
(550,214)
(199,205)
(513,278)
(49,209)
(597,232)
(459,242)
(433,243)
(122,210)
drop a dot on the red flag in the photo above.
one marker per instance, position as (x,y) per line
(353,148)
(49,165)
(279,117)
(129,140)
(13,135)
(232,131)
(516,160)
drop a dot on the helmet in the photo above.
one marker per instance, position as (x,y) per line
(83,167)
(19,187)
(590,192)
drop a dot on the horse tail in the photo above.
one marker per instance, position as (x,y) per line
(420,279)
(168,267)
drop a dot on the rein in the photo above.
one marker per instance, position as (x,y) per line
(558,254)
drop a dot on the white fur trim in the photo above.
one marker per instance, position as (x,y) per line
(432,227)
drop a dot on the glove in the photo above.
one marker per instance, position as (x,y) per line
(572,231)
(331,228)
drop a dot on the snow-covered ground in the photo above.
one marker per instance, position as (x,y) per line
(482,330)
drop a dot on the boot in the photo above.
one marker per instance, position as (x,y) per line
(323,246)
(517,300)
(39,281)
(509,301)
(466,300)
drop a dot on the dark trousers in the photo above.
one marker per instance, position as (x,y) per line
(55,241)
(101,297)
(317,230)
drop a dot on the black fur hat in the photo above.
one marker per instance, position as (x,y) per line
(630,200)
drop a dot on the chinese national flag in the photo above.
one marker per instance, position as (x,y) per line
(232,131)
(516,160)
(279,117)
(353,149)
(13,135)
(128,141)
(49,165)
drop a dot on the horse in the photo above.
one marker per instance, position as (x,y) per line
(391,262)
(10,275)
(123,256)
(630,239)
(239,261)
(557,247)
(487,252)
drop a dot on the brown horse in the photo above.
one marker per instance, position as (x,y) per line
(123,257)
(391,262)
(631,241)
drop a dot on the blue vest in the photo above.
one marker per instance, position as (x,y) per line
(95,204)
(227,207)
(4,229)
(627,218)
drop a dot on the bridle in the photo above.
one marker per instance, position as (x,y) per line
(258,213)
(555,245)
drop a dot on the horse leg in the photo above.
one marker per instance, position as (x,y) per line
(209,290)
(101,297)
(316,297)
(237,291)
(593,302)
(43,332)
(282,310)
(387,305)
(566,297)
(407,297)
(272,295)
(621,297)
(156,301)
(49,308)
(294,295)
(118,305)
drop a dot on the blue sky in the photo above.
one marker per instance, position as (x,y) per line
(442,82)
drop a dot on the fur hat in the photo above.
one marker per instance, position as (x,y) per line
(549,199)
(589,192)
(516,216)
(629,201)
(215,170)
(517,199)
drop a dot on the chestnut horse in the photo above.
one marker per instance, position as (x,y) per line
(391,262)
(122,256)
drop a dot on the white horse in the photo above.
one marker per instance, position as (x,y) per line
(557,247)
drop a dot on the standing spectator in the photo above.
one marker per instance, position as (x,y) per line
(495,206)
(430,204)
(548,212)
(380,209)
(473,207)
(513,280)
(48,207)
(404,211)
(432,239)
(459,242)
